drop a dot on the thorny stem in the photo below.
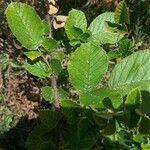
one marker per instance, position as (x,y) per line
(55,92)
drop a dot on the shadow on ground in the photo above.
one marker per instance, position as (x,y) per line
(15,138)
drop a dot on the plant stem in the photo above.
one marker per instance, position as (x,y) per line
(1,79)
(53,85)
(9,86)
(55,92)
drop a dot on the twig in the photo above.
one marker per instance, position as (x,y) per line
(55,92)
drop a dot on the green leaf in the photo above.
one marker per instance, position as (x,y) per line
(124,119)
(97,24)
(114,27)
(56,66)
(76,139)
(113,54)
(85,132)
(59,55)
(49,118)
(110,128)
(131,72)
(69,104)
(47,93)
(145,106)
(49,44)
(82,137)
(145,125)
(145,146)
(71,111)
(132,102)
(25,24)
(92,98)
(32,54)
(87,66)
(95,98)
(85,35)
(133,119)
(113,96)
(105,37)
(38,68)
(46,27)
(76,24)
(121,13)
(139,138)
(63,94)
(36,141)
(133,99)
(75,42)
(101,122)
(109,114)
(47,145)
(124,47)
(100,33)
